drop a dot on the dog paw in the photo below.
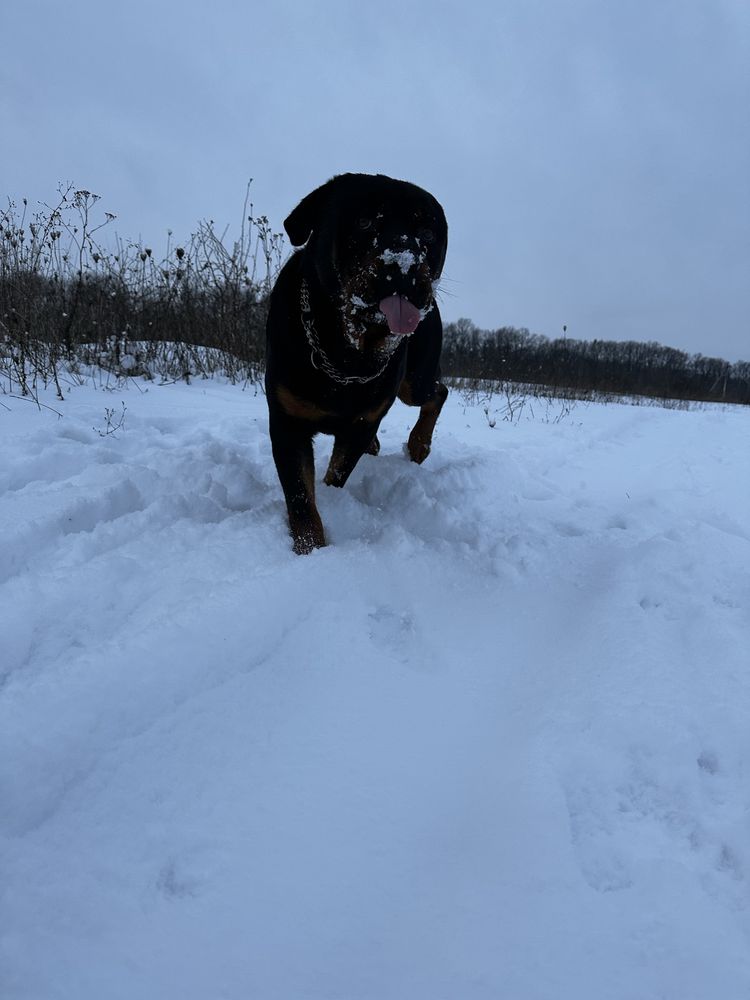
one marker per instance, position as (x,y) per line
(417,450)
(305,545)
(333,478)
(307,536)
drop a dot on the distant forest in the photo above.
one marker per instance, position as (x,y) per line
(607,366)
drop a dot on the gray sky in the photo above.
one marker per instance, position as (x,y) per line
(592,156)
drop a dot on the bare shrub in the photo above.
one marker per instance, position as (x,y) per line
(70,304)
(508,401)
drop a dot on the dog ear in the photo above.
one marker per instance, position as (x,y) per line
(306,216)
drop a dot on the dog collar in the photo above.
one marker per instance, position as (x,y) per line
(324,363)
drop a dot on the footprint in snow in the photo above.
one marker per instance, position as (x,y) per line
(655,813)
(392,630)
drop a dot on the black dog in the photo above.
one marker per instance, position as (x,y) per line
(352,324)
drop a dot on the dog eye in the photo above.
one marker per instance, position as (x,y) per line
(426,235)
(364,224)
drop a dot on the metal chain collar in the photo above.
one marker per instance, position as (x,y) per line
(325,365)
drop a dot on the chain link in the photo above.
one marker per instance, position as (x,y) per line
(325,364)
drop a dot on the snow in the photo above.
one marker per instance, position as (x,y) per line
(405,259)
(492,742)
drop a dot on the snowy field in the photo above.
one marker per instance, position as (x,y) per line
(492,744)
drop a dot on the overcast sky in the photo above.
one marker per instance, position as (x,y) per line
(593,157)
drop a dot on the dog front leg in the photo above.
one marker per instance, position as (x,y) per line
(348,449)
(420,439)
(295,463)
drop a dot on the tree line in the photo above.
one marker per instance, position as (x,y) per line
(600,366)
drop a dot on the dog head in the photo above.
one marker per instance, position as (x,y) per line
(377,246)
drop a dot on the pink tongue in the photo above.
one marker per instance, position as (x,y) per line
(402,316)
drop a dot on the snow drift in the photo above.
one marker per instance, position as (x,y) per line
(491,743)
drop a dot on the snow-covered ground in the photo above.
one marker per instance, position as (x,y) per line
(492,744)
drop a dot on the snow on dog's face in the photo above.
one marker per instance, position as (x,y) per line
(378,247)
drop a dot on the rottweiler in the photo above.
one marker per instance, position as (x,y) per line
(352,324)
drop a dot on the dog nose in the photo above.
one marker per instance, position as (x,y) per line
(403,256)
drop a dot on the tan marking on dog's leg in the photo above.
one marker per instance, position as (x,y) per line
(405,394)
(334,466)
(347,451)
(295,463)
(375,415)
(297,407)
(304,520)
(420,439)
